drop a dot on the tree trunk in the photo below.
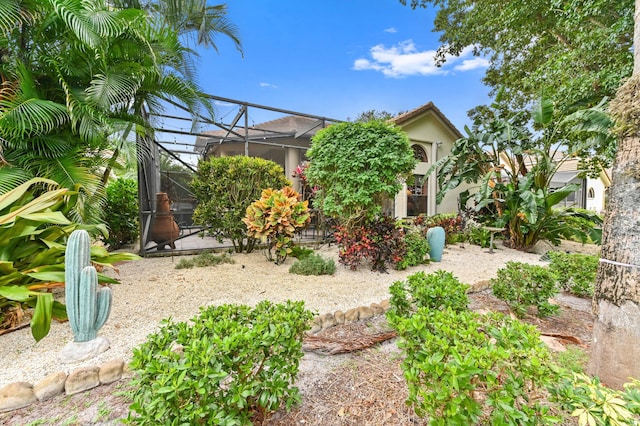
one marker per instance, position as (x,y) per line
(616,334)
(615,355)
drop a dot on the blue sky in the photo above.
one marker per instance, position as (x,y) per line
(337,59)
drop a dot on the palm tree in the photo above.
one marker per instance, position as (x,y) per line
(195,22)
(76,76)
(199,22)
(615,355)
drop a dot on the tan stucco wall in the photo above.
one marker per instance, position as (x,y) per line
(437,138)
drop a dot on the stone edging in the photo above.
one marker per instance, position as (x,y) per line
(320,322)
(22,394)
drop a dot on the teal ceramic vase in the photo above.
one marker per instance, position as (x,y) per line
(435,238)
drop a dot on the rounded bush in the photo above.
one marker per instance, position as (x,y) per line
(121,213)
(231,364)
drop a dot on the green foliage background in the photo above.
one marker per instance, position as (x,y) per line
(577,51)
(357,166)
(225,187)
(121,213)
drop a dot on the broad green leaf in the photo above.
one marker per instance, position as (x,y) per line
(56,218)
(41,320)
(14,195)
(59,311)
(55,276)
(45,201)
(14,292)
(6,267)
(560,194)
(543,112)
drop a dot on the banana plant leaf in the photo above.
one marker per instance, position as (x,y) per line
(41,319)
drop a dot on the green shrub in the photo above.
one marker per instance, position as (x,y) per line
(417,250)
(356,166)
(479,236)
(185,264)
(231,365)
(313,265)
(589,223)
(275,219)
(437,291)
(574,359)
(522,285)
(593,403)
(463,368)
(576,273)
(204,259)
(300,252)
(225,187)
(121,213)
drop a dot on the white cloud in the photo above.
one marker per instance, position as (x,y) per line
(273,86)
(405,59)
(391,30)
(472,64)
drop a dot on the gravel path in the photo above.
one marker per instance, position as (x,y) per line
(152,289)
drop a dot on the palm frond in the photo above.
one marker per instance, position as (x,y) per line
(112,90)
(70,171)
(10,15)
(12,177)
(25,117)
(109,23)
(70,11)
(23,151)
(13,13)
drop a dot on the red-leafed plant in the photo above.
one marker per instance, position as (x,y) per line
(453,225)
(275,219)
(379,241)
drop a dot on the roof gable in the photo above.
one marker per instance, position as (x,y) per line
(426,109)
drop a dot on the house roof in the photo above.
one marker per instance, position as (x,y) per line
(290,126)
(422,110)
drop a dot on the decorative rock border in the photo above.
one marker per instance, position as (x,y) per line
(321,322)
(22,394)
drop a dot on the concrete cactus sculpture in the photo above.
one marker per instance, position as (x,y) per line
(88,306)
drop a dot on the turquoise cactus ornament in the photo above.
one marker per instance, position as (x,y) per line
(88,305)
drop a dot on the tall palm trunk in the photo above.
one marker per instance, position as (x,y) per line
(616,334)
(615,355)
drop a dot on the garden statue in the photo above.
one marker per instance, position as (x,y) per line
(436,239)
(88,305)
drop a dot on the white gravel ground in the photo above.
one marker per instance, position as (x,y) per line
(152,289)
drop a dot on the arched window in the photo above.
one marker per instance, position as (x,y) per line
(591,193)
(419,153)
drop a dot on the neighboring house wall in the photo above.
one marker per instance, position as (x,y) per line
(596,193)
(429,129)
(592,192)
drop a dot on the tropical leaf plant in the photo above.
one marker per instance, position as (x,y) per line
(512,161)
(275,218)
(34,227)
